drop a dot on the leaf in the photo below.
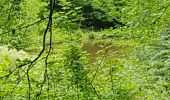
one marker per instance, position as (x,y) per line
(5,62)
(3,73)
(2,66)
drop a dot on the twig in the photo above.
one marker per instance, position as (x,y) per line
(31,63)
(98,70)
(160,15)
(95,91)
(101,61)
(29,83)
(77,86)
(19,28)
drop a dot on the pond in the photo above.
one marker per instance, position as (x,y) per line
(116,48)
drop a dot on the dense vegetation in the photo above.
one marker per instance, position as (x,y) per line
(84,49)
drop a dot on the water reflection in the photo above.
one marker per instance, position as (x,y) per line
(98,48)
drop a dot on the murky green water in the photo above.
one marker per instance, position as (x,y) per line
(116,48)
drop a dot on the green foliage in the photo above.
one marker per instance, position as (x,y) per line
(96,13)
(19,14)
(68,17)
(146,18)
(78,73)
(154,57)
(138,67)
(9,59)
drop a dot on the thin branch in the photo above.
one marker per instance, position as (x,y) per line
(31,63)
(29,25)
(97,69)
(95,91)
(111,79)
(77,86)
(165,9)
(46,60)
(29,84)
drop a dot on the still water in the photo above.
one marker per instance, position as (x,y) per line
(109,47)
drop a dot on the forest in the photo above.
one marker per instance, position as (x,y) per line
(84,49)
